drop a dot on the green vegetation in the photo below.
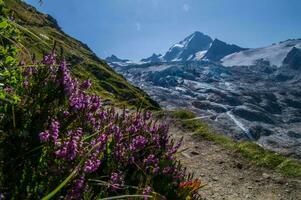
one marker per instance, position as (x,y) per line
(40,33)
(253,152)
(58,141)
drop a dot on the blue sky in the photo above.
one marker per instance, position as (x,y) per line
(135,29)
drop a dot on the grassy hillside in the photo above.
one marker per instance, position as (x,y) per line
(42,32)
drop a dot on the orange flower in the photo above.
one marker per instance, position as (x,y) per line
(192,185)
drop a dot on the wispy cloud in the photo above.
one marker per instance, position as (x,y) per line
(155,2)
(185,7)
(138,26)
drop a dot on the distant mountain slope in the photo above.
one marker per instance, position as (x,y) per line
(116,61)
(114,58)
(274,54)
(153,58)
(45,32)
(200,47)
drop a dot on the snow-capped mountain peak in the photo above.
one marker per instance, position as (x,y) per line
(189,46)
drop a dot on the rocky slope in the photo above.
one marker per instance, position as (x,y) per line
(225,174)
(251,94)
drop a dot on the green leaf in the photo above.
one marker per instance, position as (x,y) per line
(3,24)
(9,59)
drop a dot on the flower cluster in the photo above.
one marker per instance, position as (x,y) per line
(49,59)
(151,160)
(78,189)
(147,190)
(116,180)
(54,127)
(68,149)
(92,164)
(86,84)
(138,142)
(97,141)
(53,133)
(69,84)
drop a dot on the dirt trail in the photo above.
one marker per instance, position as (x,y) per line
(230,176)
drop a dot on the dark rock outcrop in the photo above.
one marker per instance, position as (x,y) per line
(220,49)
(293,59)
